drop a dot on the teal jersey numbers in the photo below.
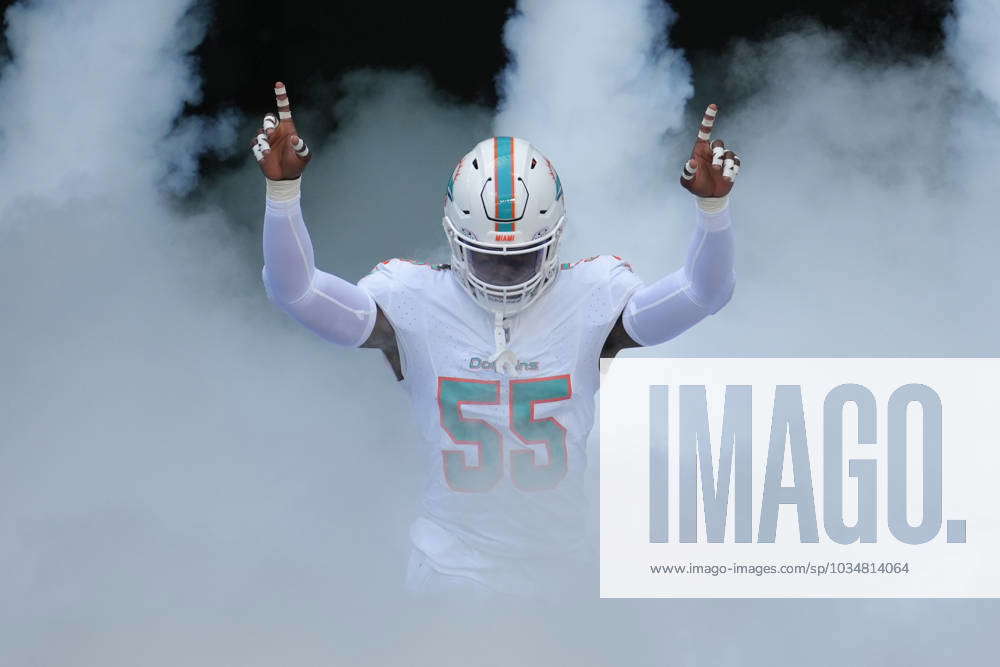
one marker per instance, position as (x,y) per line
(526,472)
(453,393)
(524,396)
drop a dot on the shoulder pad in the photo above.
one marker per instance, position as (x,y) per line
(397,262)
(610,261)
(406,273)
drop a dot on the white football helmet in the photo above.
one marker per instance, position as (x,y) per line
(504,214)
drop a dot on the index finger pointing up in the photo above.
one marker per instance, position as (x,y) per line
(708,122)
(281,97)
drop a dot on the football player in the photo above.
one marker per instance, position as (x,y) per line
(498,351)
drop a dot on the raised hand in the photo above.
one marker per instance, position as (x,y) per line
(278,149)
(712,169)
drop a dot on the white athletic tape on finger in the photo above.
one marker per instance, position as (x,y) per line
(270,121)
(717,154)
(282,103)
(727,170)
(303,153)
(711,113)
(737,163)
(298,146)
(689,172)
(257,152)
(703,135)
(280,91)
(708,122)
(284,115)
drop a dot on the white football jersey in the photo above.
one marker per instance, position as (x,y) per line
(506,452)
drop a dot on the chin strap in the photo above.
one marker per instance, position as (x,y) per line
(503,357)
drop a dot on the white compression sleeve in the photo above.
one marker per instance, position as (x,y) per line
(337,310)
(668,307)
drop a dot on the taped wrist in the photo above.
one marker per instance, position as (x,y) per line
(713,204)
(284,190)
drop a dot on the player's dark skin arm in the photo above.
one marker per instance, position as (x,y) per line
(284,157)
(702,177)
(617,341)
(383,337)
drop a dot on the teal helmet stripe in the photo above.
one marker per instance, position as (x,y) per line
(503,180)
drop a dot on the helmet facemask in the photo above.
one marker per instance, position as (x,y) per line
(507,279)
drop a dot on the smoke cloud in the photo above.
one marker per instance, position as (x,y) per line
(186,476)
(598,102)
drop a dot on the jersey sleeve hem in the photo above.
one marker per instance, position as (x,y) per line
(628,313)
(371,319)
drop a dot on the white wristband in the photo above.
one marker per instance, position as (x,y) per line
(283,190)
(713,204)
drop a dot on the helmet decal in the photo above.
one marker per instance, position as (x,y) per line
(555,177)
(454,177)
